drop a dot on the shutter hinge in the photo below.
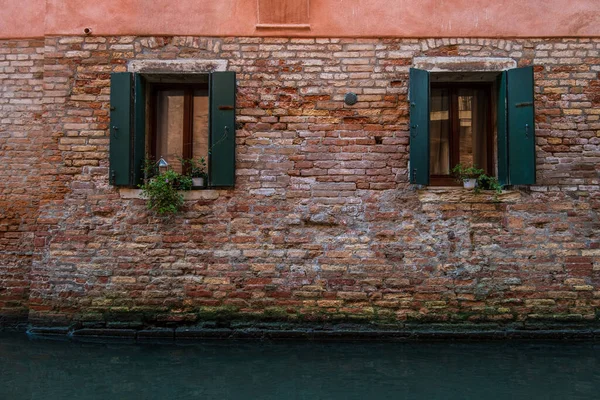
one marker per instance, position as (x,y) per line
(524,104)
(111,179)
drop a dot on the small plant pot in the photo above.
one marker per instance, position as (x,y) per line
(469,183)
(198,182)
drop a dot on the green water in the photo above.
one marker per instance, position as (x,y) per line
(43,369)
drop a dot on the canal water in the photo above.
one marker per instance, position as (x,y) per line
(46,369)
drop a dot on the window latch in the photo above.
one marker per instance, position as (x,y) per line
(115,129)
(414,130)
(526,131)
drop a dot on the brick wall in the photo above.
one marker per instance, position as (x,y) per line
(21,142)
(322,223)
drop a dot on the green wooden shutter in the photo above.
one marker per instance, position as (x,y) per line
(222,129)
(120,129)
(502,132)
(520,126)
(139,128)
(419,126)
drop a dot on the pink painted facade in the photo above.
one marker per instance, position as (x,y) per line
(340,18)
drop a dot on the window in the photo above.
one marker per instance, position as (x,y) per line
(178,122)
(487,122)
(460,129)
(169,116)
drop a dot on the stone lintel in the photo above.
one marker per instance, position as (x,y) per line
(464,64)
(176,66)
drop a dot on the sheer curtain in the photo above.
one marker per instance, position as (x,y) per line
(479,122)
(472,140)
(439,130)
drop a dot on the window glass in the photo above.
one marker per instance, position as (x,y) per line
(473,127)
(169,126)
(200,126)
(439,125)
(181,125)
(459,129)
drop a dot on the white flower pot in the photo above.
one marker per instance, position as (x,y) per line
(469,183)
(198,182)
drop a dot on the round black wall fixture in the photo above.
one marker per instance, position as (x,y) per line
(350,99)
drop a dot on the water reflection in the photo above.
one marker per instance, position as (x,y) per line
(291,370)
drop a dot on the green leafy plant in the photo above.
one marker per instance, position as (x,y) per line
(162,192)
(486,182)
(149,168)
(194,168)
(462,172)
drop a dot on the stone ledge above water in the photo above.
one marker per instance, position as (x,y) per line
(275,331)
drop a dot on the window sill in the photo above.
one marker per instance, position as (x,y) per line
(450,194)
(188,195)
(283,26)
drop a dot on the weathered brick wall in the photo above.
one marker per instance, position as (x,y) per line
(21,146)
(322,222)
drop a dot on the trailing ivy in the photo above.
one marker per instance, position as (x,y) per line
(162,192)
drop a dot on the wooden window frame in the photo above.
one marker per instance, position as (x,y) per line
(454,140)
(188,114)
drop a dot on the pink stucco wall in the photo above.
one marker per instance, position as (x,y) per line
(22,18)
(355,18)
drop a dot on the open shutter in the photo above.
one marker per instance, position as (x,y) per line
(502,130)
(120,173)
(222,129)
(139,128)
(419,126)
(520,126)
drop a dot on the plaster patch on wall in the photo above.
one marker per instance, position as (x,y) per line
(176,66)
(274,13)
(464,64)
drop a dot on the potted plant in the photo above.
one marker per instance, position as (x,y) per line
(485,182)
(162,192)
(468,175)
(196,169)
